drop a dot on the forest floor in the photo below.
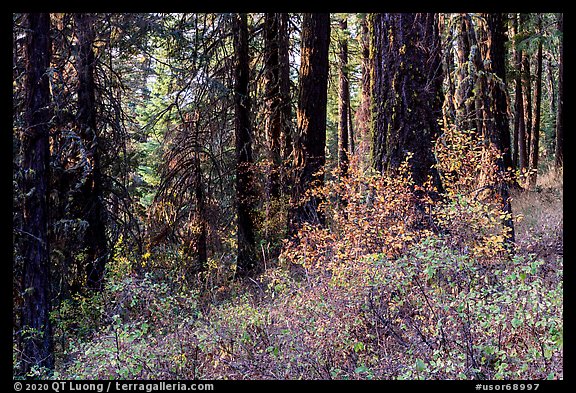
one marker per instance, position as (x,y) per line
(433,311)
(542,228)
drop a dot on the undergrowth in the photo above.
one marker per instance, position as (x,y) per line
(391,288)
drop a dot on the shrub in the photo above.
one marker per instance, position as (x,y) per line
(394,287)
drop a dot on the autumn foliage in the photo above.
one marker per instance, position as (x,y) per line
(395,286)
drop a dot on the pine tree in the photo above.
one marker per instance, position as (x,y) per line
(406,93)
(245,198)
(36,339)
(310,139)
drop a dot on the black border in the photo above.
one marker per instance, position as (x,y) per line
(292,6)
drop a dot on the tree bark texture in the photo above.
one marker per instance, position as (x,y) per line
(526,90)
(535,135)
(497,131)
(468,63)
(90,196)
(245,197)
(406,93)
(36,339)
(277,96)
(343,99)
(362,116)
(274,120)
(559,120)
(520,158)
(310,141)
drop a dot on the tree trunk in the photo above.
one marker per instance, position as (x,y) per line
(464,92)
(406,94)
(551,91)
(91,193)
(245,199)
(362,117)
(343,99)
(497,132)
(351,141)
(559,121)
(520,158)
(535,136)
(202,236)
(274,122)
(36,328)
(497,27)
(448,70)
(527,90)
(285,107)
(310,141)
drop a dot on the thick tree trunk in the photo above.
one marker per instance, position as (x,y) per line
(343,99)
(277,96)
(309,144)
(36,328)
(406,93)
(246,262)
(497,42)
(535,136)
(559,121)
(497,132)
(91,193)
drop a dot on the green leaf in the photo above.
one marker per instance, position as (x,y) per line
(420,365)
(361,369)
(359,346)
(516,322)
(272,349)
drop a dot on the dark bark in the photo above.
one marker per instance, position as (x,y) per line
(277,96)
(202,235)
(310,140)
(36,328)
(285,108)
(497,132)
(520,158)
(274,121)
(497,57)
(199,238)
(535,135)
(551,90)
(406,93)
(343,99)
(559,152)
(91,191)
(245,199)
(351,141)
(526,90)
